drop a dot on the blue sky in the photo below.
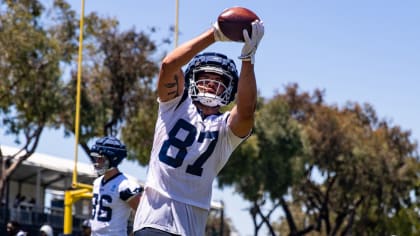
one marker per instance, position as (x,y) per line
(359,51)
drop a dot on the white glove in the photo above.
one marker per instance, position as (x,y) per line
(218,34)
(251,44)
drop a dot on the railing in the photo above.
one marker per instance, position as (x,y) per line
(32,218)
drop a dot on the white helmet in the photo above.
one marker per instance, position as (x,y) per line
(47,230)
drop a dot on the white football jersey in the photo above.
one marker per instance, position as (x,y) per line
(110,210)
(188,153)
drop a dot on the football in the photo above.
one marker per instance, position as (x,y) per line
(233,20)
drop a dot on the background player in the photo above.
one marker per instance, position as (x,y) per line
(114,195)
(13,228)
(46,230)
(193,140)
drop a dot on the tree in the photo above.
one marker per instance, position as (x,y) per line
(30,84)
(268,163)
(331,170)
(214,224)
(117,87)
(117,84)
(368,169)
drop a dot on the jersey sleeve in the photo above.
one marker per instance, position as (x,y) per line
(173,104)
(128,188)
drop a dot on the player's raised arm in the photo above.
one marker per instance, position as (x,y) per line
(241,119)
(171,78)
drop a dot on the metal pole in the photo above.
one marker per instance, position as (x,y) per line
(79,75)
(176,22)
(69,197)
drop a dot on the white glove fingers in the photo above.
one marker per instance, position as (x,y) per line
(251,41)
(254,29)
(258,29)
(247,39)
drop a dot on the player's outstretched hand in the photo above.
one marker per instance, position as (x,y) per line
(251,43)
(218,34)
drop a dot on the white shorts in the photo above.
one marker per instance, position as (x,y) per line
(159,212)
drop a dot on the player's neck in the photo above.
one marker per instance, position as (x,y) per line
(110,173)
(207,111)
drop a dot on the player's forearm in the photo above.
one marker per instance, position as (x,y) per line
(241,119)
(246,97)
(133,202)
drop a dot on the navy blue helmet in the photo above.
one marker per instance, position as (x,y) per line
(112,149)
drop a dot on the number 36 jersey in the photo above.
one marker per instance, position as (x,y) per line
(188,152)
(110,210)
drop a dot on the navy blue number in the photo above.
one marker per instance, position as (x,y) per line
(196,167)
(182,145)
(104,213)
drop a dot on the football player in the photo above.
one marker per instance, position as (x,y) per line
(114,194)
(193,139)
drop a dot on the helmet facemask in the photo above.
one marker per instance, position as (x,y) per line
(214,63)
(103,167)
(212,96)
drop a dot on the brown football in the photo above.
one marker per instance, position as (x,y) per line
(233,20)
